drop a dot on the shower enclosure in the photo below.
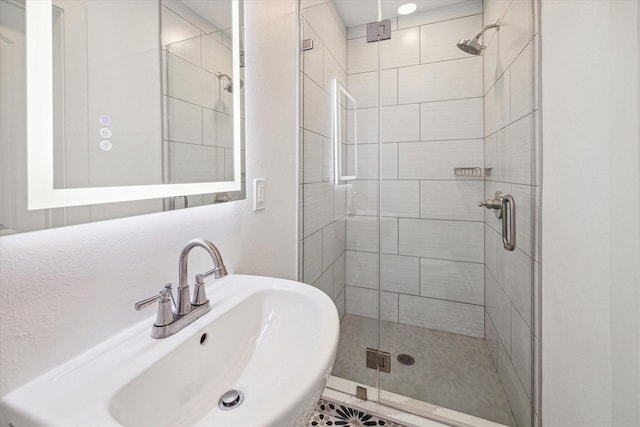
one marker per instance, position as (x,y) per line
(403,135)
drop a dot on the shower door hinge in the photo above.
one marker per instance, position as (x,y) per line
(378,360)
(378,30)
(307,44)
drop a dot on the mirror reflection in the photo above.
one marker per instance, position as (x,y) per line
(143,95)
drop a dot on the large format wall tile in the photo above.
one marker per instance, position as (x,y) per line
(465,319)
(400,274)
(437,159)
(457,119)
(438,40)
(452,281)
(452,240)
(364,302)
(456,200)
(400,198)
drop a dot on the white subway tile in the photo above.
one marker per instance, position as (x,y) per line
(362,269)
(492,244)
(318,206)
(457,200)
(217,128)
(496,105)
(366,120)
(515,30)
(456,79)
(364,88)
(515,151)
(175,28)
(216,58)
(364,302)
(340,46)
(521,84)
(191,83)
(452,281)
(518,400)
(524,214)
(362,233)
(455,317)
(458,119)
(367,161)
(514,275)
(499,308)
(313,60)
(333,242)
(362,56)
(438,40)
(339,274)
(400,123)
(317,108)
(494,9)
(189,50)
(437,159)
(389,235)
(362,197)
(400,198)
(340,200)
(340,302)
(400,274)
(521,349)
(401,50)
(195,163)
(491,65)
(325,282)
(328,160)
(312,255)
(452,240)
(333,70)
(491,156)
(184,121)
(389,162)
(322,22)
(491,339)
(312,157)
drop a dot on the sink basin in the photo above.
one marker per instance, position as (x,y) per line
(274,340)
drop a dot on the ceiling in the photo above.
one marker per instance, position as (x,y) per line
(357,12)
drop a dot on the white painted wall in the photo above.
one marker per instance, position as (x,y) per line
(590,211)
(64,290)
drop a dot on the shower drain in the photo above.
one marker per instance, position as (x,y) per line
(406,359)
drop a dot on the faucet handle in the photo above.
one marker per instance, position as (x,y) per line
(199,295)
(165,305)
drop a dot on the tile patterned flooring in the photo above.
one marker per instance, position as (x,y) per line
(327,413)
(451,370)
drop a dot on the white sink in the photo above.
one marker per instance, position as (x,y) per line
(274,340)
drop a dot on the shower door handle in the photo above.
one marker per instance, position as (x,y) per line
(505,208)
(508,222)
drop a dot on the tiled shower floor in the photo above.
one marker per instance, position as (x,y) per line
(450,370)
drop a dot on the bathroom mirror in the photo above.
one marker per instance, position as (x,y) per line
(131,107)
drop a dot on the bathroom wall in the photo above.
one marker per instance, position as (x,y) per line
(509,149)
(432,120)
(64,290)
(591,213)
(323,219)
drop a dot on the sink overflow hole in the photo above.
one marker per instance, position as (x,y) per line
(203,338)
(406,359)
(231,399)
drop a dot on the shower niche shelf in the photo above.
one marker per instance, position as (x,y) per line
(472,172)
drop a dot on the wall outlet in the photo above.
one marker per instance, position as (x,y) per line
(258,194)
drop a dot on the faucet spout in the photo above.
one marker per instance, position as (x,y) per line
(219,270)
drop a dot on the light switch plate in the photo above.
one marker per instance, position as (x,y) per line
(258,194)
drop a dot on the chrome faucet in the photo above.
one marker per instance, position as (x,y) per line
(173,316)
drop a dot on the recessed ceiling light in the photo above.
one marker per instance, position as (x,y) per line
(407,8)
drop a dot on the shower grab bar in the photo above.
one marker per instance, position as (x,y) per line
(508,216)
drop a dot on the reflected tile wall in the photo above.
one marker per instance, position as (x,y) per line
(510,149)
(324,206)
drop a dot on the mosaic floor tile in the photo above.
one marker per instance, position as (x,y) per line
(334,414)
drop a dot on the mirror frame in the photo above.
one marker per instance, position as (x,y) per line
(41,192)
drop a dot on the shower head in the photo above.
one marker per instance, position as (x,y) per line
(472,46)
(229,86)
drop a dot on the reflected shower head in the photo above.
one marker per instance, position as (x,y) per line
(229,86)
(472,46)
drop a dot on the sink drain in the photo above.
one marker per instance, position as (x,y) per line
(231,399)
(406,359)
